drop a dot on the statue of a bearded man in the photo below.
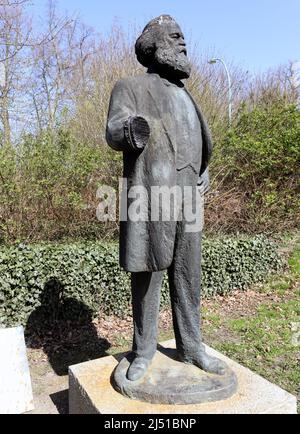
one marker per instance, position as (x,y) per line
(166,143)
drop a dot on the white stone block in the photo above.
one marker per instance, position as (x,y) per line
(15,383)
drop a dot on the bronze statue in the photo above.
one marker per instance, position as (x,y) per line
(165,140)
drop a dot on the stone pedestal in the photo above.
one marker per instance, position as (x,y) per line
(91,392)
(168,381)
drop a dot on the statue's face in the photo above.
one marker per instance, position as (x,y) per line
(171,53)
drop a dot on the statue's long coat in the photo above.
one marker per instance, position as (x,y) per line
(146,245)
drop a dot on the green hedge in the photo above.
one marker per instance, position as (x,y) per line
(89,272)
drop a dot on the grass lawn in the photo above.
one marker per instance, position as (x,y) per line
(266,339)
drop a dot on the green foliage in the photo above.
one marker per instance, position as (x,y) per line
(265,143)
(89,272)
(48,187)
(261,156)
(231,263)
(48,182)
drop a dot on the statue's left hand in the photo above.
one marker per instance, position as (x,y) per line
(204,182)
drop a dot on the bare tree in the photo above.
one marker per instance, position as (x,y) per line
(15,29)
(272,86)
(58,61)
(109,59)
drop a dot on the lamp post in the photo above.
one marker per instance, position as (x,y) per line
(213,61)
(295,81)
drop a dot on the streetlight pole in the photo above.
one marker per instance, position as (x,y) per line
(213,61)
(295,80)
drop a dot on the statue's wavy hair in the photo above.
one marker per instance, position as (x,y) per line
(146,44)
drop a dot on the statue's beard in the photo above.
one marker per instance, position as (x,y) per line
(172,64)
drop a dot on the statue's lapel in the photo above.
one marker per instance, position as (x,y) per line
(206,136)
(155,91)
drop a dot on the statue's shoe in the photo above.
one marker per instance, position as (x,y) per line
(138,368)
(207,363)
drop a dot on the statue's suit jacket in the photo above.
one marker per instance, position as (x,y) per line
(145,245)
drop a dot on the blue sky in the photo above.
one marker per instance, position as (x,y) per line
(255,34)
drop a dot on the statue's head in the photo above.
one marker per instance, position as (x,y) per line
(162,47)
